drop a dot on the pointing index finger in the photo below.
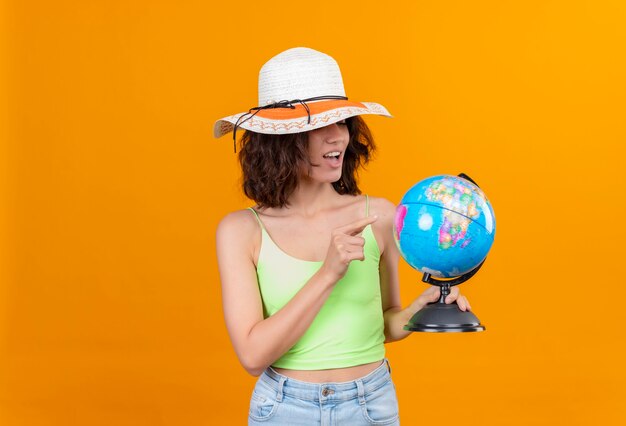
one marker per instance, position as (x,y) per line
(357,226)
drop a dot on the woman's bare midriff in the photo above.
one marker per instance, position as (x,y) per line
(333,375)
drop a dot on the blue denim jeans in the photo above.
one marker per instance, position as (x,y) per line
(280,400)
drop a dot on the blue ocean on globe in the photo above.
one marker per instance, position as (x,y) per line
(444,226)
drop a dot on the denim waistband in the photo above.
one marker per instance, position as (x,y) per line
(322,392)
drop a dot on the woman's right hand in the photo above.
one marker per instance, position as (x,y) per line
(346,245)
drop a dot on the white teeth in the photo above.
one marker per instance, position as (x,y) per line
(332,154)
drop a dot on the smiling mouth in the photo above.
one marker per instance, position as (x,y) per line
(333,155)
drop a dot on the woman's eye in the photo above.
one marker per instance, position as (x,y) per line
(342,122)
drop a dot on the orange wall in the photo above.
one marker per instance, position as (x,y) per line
(113,185)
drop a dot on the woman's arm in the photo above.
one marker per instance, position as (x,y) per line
(259,342)
(396,317)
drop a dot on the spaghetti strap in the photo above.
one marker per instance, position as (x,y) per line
(258,219)
(367,205)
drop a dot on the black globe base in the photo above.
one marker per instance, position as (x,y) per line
(444,318)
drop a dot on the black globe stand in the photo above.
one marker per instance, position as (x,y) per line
(442,317)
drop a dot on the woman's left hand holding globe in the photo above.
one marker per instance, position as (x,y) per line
(431,295)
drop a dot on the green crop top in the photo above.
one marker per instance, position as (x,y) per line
(349,329)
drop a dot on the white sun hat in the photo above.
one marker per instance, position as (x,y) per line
(300,89)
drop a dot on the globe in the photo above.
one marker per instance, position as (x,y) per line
(444,226)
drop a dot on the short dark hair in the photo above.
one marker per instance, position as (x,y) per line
(271,164)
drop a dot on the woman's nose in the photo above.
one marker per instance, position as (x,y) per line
(335,133)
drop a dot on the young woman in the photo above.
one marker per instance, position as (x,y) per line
(309,275)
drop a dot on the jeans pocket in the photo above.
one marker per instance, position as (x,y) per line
(381,405)
(262,406)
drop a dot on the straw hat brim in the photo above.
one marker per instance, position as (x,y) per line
(281,121)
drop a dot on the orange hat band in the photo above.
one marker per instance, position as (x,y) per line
(299,110)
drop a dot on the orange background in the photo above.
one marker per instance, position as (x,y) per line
(112,187)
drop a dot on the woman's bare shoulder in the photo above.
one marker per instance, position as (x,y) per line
(385,210)
(382,207)
(237,224)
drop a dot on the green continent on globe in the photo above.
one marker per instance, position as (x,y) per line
(460,207)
